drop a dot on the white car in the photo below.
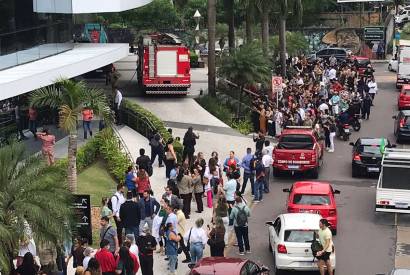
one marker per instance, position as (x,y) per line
(290,238)
(393,65)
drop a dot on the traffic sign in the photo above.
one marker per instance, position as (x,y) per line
(374,33)
(82,210)
(276,87)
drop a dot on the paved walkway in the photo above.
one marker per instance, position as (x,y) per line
(402,258)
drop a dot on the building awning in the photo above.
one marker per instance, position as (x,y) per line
(81,59)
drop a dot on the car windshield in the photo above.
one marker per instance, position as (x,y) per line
(296,142)
(309,199)
(370,149)
(299,236)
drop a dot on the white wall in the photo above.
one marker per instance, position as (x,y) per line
(86,6)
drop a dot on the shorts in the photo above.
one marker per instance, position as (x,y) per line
(325,256)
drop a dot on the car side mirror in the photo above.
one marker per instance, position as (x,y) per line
(394,117)
(286,190)
(336,191)
(351,143)
(269,223)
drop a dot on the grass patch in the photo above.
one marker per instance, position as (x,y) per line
(96,181)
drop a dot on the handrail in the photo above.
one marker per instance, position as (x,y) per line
(123,144)
(139,123)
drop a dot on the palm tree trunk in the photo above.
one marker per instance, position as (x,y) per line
(282,44)
(249,21)
(211,47)
(265,31)
(72,162)
(230,20)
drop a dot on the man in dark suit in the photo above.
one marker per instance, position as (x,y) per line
(130,215)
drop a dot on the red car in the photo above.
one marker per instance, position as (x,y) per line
(403,100)
(227,266)
(299,150)
(362,62)
(313,197)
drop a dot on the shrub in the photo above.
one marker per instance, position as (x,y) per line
(193,59)
(156,123)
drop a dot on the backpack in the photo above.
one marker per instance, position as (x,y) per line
(241,216)
(109,204)
(316,246)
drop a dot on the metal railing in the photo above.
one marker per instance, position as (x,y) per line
(138,122)
(122,145)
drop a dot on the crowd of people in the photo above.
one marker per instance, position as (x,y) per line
(323,94)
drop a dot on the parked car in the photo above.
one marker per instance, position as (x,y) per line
(313,197)
(367,155)
(403,99)
(339,53)
(290,238)
(400,271)
(402,126)
(393,65)
(227,266)
(299,150)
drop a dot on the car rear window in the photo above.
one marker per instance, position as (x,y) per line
(370,149)
(363,61)
(309,199)
(296,142)
(299,236)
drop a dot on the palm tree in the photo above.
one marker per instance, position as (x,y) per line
(70,97)
(211,47)
(283,15)
(230,20)
(265,7)
(246,65)
(31,196)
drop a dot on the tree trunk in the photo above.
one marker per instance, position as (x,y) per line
(230,20)
(265,31)
(238,110)
(72,162)
(250,13)
(282,44)
(211,47)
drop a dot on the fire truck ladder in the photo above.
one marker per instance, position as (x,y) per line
(151,61)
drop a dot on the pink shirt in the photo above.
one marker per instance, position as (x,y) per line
(48,141)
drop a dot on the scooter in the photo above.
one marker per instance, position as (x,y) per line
(344,132)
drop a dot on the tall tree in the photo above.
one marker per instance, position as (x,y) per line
(230,20)
(246,65)
(70,97)
(211,47)
(265,7)
(284,9)
(33,198)
(250,10)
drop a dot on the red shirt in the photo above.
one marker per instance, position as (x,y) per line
(143,184)
(106,260)
(134,259)
(87,114)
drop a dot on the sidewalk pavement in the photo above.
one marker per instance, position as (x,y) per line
(402,258)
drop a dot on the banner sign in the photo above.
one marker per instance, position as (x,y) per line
(82,210)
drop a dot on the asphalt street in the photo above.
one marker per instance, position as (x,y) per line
(365,243)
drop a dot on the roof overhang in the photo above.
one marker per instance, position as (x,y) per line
(81,59)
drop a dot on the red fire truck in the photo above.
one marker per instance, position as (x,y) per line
(163,64)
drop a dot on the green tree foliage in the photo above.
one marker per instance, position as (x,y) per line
(159,14)
(187,12)
(246,65)
(296,43)
(31,196)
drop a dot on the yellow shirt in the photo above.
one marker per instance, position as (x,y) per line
(324,235)
(181,222)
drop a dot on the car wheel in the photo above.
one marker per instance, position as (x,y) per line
(276,172)
(315,173)
(390,68)
(355,172)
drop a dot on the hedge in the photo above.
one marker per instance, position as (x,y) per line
(105,145)
(157,123)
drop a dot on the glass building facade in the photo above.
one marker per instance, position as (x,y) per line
(26,36)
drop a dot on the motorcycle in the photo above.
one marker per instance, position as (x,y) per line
(355,122)
(344,131)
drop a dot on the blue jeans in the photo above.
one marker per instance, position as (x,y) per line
(87,127)
(172,262)
(196,250)
(251,177)
(132,230)
(259,186)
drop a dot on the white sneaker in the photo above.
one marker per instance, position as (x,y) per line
(331,151)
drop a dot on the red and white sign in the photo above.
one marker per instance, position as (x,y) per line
(277,82)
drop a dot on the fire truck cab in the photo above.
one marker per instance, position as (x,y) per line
(163,64)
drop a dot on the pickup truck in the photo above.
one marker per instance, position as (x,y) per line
(299,150)
(393,187)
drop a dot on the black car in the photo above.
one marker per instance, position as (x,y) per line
(402,126)
(339,53)
(367,155)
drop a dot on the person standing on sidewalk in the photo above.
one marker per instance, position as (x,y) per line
(260,179)
(248,170)
(117,105)
(184,182)
(32,121)
(107,232)
(157,148)
(130,180)
(197,237)
(221,211)
(48,145)
(172,198)
(149,207)
(181,226)
(105,258)
(116,200)
(130,215)
(144,162)
(198,190)
(372,87)
(267,162)
(189,143)
(171,247)
(216,238)
(146,244)
(240,214)
(87,118)
(170,157)
(325,238)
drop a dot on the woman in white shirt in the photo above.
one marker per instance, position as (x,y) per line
(211,173)
(87,256)
(197,237)
(372,87)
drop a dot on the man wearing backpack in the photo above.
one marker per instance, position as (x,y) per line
(157,149)
(260,179)
(239,214)
(115,204)
(144,162)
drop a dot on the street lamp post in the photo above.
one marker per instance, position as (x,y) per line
(197,17)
